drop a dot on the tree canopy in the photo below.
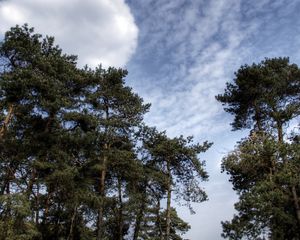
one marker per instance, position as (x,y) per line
(76,159)
(264,167)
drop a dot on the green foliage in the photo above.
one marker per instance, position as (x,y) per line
(185,167)
(75,162)
(177,158)
(263,183)
(264,168)
(178,226)
(263,93)
(151,229)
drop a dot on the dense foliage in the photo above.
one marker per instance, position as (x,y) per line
(264,168)
(76,160)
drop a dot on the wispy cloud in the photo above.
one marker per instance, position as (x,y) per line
(99,31)
(187,50)
(191,47)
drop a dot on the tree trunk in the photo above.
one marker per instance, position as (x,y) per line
(168,211)
(102,181)
(37,203)
(47,206)
(257,117)
(6,120)
(4,186)
(70,236)
(138,221)
(9,175)
(57,222)
(139,217)
(296,203)
(31,183)
(280,132)
(102,195)
(121,223)
(158,221)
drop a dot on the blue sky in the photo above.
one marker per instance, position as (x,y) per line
(179,55)
(186,52)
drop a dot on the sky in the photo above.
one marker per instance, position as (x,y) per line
(179,55)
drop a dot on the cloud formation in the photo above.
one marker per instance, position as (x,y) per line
(191,45)
(98,31)
(187,51)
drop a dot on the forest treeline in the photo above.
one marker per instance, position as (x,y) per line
(76,159)
(78,162)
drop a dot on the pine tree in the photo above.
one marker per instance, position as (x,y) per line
(264,97)
(178,159)
(38,84)
(75,159)
(118,112)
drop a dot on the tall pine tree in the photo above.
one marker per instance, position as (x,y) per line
(266,98)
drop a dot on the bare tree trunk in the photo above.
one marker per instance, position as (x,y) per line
(168,211)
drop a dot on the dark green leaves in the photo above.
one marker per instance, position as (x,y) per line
(264,167)
(75,159)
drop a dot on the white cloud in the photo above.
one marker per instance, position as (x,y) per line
(203,42)
(98,31)
(188,50)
